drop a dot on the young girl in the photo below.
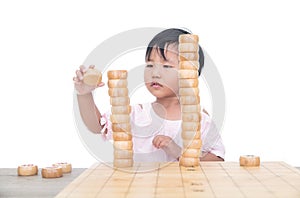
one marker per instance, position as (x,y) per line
(156,126)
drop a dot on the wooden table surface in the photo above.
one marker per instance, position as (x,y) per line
(211,179)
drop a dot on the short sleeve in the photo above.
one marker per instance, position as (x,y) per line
(106,126)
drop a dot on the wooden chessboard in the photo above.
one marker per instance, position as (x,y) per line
(211,179)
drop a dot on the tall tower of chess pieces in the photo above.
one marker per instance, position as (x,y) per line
(190,100)
(120,118)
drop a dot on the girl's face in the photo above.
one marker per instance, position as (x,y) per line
(161,76)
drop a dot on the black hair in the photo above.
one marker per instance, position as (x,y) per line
(167,37)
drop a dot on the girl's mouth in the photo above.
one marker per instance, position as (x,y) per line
(155,85)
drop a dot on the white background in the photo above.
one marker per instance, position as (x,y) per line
(254,45)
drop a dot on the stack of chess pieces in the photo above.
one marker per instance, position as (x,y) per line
(120,118)
(190,100)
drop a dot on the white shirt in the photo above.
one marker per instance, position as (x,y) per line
(146,124)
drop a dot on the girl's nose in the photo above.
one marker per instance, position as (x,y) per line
(156,71)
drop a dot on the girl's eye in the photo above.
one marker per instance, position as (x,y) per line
(168,66)
(148,65)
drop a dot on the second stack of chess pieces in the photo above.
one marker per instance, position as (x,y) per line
(120,118)
(190,100)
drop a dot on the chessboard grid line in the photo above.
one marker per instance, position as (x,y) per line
(78,182)
(233,181)
(94,169)
(107,179)
(157,176)
(259,181)
(184,193)
(132,179)
(295,170)
(282,178)
(115,171)
(214,194)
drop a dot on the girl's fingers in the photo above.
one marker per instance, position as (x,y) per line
(161,141)
(82,69)
(101,84)
(75,79)
(164,143)
(77,82)
(79,75)
(155,142)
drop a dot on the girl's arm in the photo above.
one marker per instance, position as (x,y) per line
(89,112)
(172,149)
(210,157)
(87,107)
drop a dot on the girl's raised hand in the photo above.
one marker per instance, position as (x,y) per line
(79,85)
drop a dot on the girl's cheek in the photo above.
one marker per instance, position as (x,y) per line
(147,76)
